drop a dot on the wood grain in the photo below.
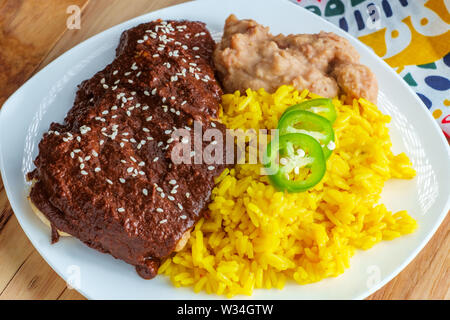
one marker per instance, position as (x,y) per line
(28,30)
(32,34)
(32,282)
(15,248)
(5,208)
(427,276)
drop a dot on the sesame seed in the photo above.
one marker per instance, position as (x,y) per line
(154,91)
(145,191)
(183,217)
(331,145)
(84,173)
(159,210)
(211,168)
(146,93)
(149,118)
(122,180)
(109,181)
(82,166)
(173,182)
(170,198)
(120,209)
(84,129)
(97,169)
(180,206)
(301,152)
(130,169)
(141,164)
(155,159)
(163,221)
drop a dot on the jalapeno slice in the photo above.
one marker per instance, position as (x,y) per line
(295,162)
(299,121)
(321,106)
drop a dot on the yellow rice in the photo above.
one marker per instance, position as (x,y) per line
(257,237)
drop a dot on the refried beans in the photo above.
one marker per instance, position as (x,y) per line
(250,57)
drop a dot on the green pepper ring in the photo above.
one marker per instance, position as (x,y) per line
(330,114)
(311,147)
(288,120)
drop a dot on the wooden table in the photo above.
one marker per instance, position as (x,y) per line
(32,34)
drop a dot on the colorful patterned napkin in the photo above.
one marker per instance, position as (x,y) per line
(412,36)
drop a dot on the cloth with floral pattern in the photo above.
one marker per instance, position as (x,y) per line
(412,36)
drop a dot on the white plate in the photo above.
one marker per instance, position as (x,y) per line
(49,95)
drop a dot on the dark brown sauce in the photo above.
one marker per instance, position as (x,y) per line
(105,175)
